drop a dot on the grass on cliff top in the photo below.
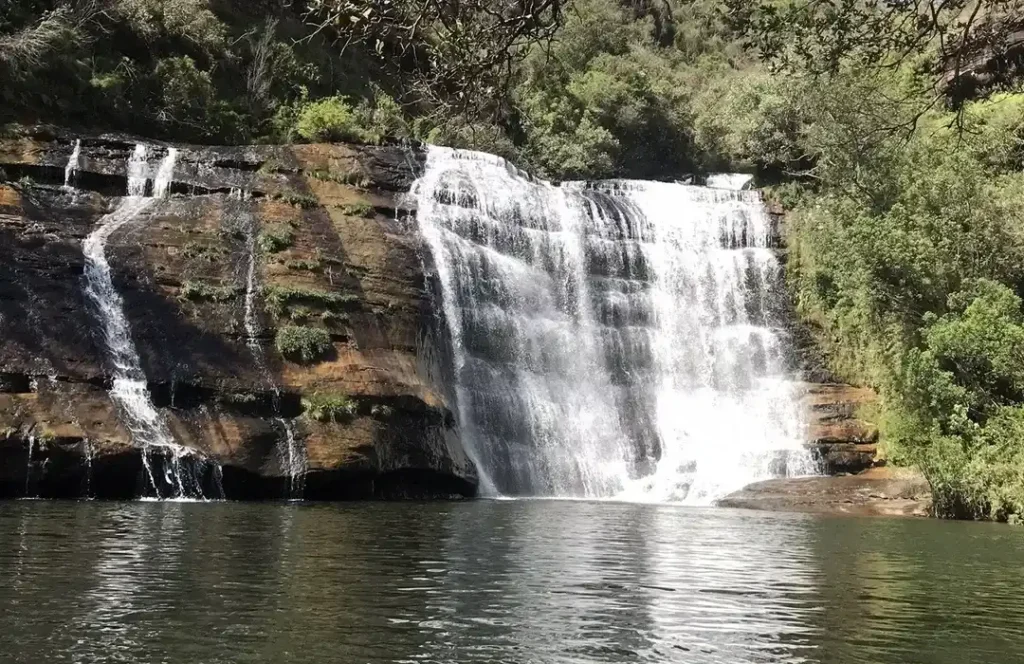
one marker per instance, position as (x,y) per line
(328,407)
(304,345)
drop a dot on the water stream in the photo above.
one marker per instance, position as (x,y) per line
(291,450)
(72,166)
(181,469)
(614,339)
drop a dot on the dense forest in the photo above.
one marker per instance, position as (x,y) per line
(893,132)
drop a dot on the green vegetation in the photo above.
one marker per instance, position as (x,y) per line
(360,209)
(328,120)
(906,250)
(304,345)
(304,265)
(304,201)
(204,252)
(280,299)
(330,318)
(328,407)
(275,238)
(200,291)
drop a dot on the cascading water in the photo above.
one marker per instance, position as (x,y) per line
(291,453)
(292,458)
(88,452)
(129,389)
(72,166)
(29,468)
(610,339)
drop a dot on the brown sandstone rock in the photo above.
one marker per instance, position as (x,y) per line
(338,203)
(876,492)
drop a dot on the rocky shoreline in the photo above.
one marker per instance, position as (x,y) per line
(875,492)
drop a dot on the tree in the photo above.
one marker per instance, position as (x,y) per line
(462,53)
(820,35)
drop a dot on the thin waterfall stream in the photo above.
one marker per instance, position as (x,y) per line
(615,339)
(291,452)
(129,389)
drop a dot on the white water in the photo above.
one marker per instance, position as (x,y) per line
(165,174)
(291,452)
(734,181)
(88,467)
(28,466)
(252,330)
(129,389)
(72,166)
(138,172)
(292,458)
(611,339)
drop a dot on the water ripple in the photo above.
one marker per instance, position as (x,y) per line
(498,581)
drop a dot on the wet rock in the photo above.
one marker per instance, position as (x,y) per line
(351,265)
(876,492)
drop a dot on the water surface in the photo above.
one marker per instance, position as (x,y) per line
(485,581)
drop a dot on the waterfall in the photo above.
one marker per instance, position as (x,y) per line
(28,466)
(138,172)
(291,453)
(734,181)
(129,389)
(165,174)
(252,330)
(292,458)
(614,339)
(88,452)
(72,167)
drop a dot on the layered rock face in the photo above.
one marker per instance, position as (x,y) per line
(311,236)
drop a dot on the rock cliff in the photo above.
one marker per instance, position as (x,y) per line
(324,225)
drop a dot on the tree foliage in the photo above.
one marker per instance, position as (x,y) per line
(826,35)
(461,53)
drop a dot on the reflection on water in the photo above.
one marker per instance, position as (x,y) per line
(498,582)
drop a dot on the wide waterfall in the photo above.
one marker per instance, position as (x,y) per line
(614,339)
(129,390)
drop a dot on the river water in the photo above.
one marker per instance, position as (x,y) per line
(499,581)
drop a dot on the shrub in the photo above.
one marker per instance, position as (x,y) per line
(333,318)
(275,238)
(360,209)
(382,117)
(304,201)
(307,265)
(328,407)
(205,252)
(198,291)
(281,298)
(303,344)
(327,120)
